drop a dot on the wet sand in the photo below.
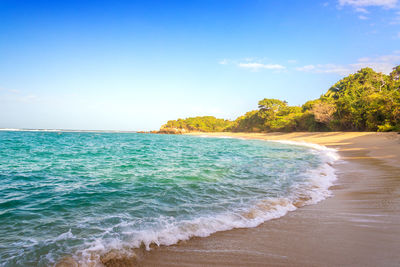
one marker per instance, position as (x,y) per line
(358,226)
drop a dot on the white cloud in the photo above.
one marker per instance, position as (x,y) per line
(258,66)
(254,64)
(361,6)
(367,3)
(306,68)
(361,10)
(325,68)
(383,64)
(333,68)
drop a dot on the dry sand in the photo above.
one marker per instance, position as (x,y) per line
(359,226)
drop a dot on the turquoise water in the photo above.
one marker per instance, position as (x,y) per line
(82,194)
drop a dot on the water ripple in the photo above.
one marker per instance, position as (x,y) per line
(82,194)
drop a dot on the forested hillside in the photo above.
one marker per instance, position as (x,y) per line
(364,101)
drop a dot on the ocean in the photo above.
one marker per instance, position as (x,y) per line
(82,194)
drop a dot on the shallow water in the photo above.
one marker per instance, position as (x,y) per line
(82,194)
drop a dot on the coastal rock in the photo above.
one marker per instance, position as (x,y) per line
(172,131)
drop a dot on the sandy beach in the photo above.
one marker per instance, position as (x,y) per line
(358,226)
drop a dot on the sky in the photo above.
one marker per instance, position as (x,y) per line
(133,65)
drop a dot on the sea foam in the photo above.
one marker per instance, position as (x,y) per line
(314,190)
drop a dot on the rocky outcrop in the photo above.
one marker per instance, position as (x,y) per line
(172,131)
(167,130)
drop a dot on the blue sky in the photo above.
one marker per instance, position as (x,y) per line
(133,65)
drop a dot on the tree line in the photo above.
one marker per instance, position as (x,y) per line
(363,101)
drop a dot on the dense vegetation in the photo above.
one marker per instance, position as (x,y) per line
(364,101)
(202,124)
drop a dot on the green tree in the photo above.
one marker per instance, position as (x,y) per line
(270,104)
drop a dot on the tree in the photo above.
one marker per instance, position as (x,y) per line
(201,124)
(323,112)
(395,74)
(270,104)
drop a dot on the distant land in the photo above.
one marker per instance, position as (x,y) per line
(363,101)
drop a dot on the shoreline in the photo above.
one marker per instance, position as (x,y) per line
(354,227)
